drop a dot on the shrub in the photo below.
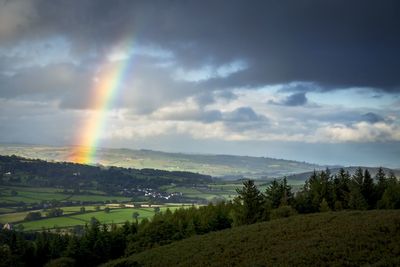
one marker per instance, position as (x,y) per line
(33,216)
(282,212)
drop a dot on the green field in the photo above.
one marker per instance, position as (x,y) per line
(13,195)
(352,238)
(116,215)
(212,192)
(31,195)
(12,217)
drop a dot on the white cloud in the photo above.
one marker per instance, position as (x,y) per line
(210,71)
(359,132)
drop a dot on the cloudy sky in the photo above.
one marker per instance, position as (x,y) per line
(315,81)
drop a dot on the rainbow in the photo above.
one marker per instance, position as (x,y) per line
(107,85)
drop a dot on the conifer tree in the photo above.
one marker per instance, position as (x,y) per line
(357,200)
(381,183)
(368,190)
(341,189)
(273,194)
(248,204)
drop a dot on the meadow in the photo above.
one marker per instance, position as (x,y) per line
(29,195)
(73,217)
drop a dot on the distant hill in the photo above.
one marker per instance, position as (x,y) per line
(356,238)
(225,166)
(19,171)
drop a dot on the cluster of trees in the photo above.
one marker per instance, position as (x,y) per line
(36,215)
(321,192)
(99,243)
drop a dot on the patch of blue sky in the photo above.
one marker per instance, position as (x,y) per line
(39,53)
(352,98)
(207,72)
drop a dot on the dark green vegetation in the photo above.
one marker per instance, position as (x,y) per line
(97,243)
(36,194)
(37,183)
(344,238)
(29,187)
(73,218)
(69,176)
(352,169)
(225,166)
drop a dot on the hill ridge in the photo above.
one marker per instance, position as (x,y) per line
(218,165)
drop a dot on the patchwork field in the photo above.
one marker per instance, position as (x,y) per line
(31,195)
(72,217)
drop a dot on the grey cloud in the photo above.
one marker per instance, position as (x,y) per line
(243,114)
(226,95)
(72,85)
(336,44)
(206,116)
(297,99)
(27,121)
(372,117)
(239,115)
(204,99)
(45,83)
(207,97)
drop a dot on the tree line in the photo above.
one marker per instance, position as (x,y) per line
(99,243)
(321,192)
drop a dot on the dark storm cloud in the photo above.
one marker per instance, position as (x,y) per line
(336,44)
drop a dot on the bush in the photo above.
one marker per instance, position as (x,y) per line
(33,216)
(61,262)
(282,212)
(55,212)
(324,207)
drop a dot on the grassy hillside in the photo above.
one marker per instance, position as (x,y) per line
(326,239)
(215,165)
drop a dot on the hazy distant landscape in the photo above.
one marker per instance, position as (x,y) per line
(225,166)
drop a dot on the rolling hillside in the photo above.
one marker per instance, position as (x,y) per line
(228,166)
(355,238)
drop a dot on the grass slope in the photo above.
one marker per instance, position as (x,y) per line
(326,239)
